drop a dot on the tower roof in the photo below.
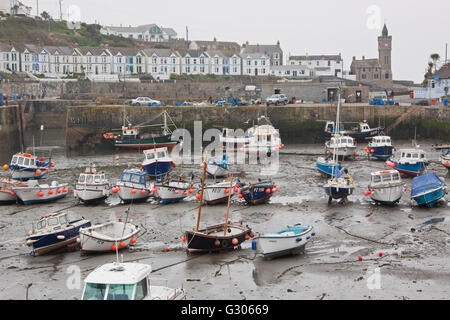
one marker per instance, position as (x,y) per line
(385,32)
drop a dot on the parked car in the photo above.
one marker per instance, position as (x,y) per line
(277,99)
(144,101)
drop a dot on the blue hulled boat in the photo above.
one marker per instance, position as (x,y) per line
(412,162)
(445,158)
(259,192)
(25,166)
(428,189)
(380,148)
(327,166)
(157,162)
(55,231)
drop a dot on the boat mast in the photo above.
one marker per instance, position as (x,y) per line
(166,128)
(228,207)
(201,194)
(335,158)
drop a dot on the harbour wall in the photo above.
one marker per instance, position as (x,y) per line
(9,129)
(297,123)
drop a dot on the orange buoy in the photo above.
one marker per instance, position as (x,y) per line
(133,240)
(236,190)
(380,254)
(114,247)
(247,237)
(65,190)
(167,249)
(5,167)
(185,193)
(198,196)
(240,196)
(226,191)
(154,190)
(143,192)
(50,191)
(177,192)
(40,194)
(360,258)
(13,193)
(191,191)
(59,191)
(217,243)
(235,241)
(122,244)
(267,191)
(38,172)
(183,239)
(133,191)
(52,165)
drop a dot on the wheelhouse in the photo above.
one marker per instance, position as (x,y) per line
(380,141)
(55,221)
(413,155)
(24,160)
(89,178)
(156,154)
(134,176)
(385,177)
(364,127)
(342,141)
(116,281)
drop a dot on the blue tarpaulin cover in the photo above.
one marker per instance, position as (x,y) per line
(425,183)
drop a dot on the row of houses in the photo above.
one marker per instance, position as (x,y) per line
(54,61)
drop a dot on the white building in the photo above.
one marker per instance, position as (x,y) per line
(63,60)
(323,65)
(148,32)
(292,71)
(255,64)
(195,62)
(96,61)
(35,59)
(235,65)
(161,63)
(10,58)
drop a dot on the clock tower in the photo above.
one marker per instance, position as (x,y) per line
(385,54)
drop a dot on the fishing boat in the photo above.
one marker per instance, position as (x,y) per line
(228,235)
(285,242)
(261,139)
(361,132)
(341,184)
(327,165)
(92,186)
(26,166)
(341,146)
(257,193)
(55,231)
(40,193)
(412,162)
(218,193)
(172,191)
(380,148)
(133,186)
(218,168)
(386,187)
(157,162)
(7,193)
(126,281)
(445,158)
(428,189)
(106,237)
(130,137)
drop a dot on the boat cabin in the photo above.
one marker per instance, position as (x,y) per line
(155,154)
(54,222)
(130,132)
(342,141)
(92,178)
(413,155)
(385,177)
(118,281)
(25,160)
(363,127)
(134,176)
(380,141)
(331,128)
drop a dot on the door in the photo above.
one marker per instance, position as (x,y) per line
(358,96)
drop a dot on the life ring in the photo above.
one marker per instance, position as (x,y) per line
(224,243)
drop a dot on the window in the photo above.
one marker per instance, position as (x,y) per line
(96,179)
(150,156)
(329,63)
(386,75)
(63,219)
(26,162)
(89,179)
(82,178)
(20,161)
(376,179)
(94,291)
(135,178)
(41,224)
(52,221)
(141,290)
(120,291)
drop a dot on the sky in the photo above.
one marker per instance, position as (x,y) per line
(350,27)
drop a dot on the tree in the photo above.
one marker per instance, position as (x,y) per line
(45,15)
(435,57)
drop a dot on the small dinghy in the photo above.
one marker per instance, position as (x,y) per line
(55,231)
(289,241)
(340,186)
(224,236)
(7,193)
(40,193)
(106,237)
(157,162)
(25,166)
(445,158)
(412,162)
(92,186)
(386,187)
(218,193)
(218,168)
(172,191)
(257,193)
(126,281)
(380,148)
(133,186)
(327,166)
(428,189)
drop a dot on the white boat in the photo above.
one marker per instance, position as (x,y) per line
(386,187)
(218,168)
(289,241)
(25,166)
(7,194)
(260,140)
(341,146)
(172,191)
(218,193)
(445,158)
(157,162)
(40,193)
(92,186)
(126,281)
(103,237)
(133,186)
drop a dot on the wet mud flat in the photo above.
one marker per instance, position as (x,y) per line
(414,242)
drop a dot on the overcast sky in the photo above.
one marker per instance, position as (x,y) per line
(349,27)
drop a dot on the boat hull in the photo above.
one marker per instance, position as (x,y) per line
(126,195)
(273,246)
(445,160)
(91,243)
(257,194)
(338,193)
(92,194)
(7,198)
(358,136)
(327,168)
(144,144)
(159,168)
(216,170)
(216,194)
(28,174)
(382,153)
(411,169)
(205,240)
(387,195)
(50,242)
(343,151)
(429,199)
(30,195)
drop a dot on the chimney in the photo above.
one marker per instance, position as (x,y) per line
(354,58)
(364,58)
(278,43)
(215,40)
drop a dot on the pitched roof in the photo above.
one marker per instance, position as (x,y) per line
(444,72)
(254,56)
(316,57)
(261,48)
(366,63)
(62,50)
(95,51)
(218,45)
(170,32)
(160,52)
(124,51)
(192,53)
